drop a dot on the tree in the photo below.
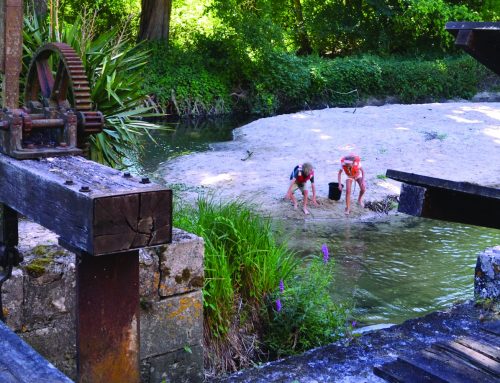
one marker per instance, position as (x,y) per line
(155,20)
(302,38)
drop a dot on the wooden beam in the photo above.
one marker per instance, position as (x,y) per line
(93,208)
(13,50)
(479,39)
(108,318)
(436,198)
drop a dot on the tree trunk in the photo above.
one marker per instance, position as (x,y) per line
(40,7)
(155,19)
(302,38)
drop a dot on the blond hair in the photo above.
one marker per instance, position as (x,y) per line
(307,168)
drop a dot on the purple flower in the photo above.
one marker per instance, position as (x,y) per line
(282,286)
(354,323)
(324,248)
(278,305)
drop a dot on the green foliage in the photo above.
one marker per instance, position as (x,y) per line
(242,258)
(112,66)
(181,81)
(306,315)
(420,26)
(109,13)
(433,80)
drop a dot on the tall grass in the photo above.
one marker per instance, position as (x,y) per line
(242,257)
(246,271)
(243,265)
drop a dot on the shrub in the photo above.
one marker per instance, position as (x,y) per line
(301,312)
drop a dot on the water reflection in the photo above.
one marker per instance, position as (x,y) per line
(183,137)
(399,268)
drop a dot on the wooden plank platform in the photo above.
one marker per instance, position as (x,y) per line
(470,359)
(19,363)
(436,198)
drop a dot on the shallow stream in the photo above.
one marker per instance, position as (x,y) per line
(394,267)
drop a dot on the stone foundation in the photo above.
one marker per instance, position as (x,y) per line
(487,275)
(39,303)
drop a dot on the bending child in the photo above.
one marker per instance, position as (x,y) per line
(300,175)
(351,166)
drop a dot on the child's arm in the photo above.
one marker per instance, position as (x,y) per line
(290,188)
(340,179)
(314,193)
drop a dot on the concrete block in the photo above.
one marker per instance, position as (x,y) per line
(171,324)
(179,366)
(181,266)
(487,274)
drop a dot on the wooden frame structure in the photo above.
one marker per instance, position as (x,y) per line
(102,215)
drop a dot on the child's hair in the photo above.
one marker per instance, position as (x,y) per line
(307,168)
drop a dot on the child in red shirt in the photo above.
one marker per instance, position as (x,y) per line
(351,166)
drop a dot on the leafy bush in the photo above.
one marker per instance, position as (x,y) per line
(301,312)
(182,83)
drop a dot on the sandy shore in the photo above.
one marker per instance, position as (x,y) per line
(459,141)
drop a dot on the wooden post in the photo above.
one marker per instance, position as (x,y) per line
(108,317)
(104,216)
(12,51)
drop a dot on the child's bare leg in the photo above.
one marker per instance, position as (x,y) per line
(348,186)
(362,189)
(304,208)
(294,200)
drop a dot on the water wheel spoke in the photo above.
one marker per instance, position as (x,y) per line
(45,78)
(61,84)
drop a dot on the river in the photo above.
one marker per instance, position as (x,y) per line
(393,267)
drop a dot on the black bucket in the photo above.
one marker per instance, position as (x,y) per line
(333,191)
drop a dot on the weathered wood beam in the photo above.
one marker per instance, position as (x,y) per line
(108,318)
(93,208)
(436,198)
(13,49)
(20,363)
(479,39)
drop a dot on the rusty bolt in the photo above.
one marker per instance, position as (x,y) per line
(145,180)
(69,182)
(84,189)
(127,175)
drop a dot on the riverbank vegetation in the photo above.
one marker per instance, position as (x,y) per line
(260,303)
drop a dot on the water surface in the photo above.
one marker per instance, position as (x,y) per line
(394,268)
(400,267)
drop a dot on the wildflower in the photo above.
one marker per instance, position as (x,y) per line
(282,286)
(278,305)
(354,323)
(324,248)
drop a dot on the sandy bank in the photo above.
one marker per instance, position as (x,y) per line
(459,141)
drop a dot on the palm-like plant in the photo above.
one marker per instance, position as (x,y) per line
(113,66)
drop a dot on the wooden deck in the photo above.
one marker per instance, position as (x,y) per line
(468,359)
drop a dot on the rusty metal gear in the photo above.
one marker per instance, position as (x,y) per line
(68,90)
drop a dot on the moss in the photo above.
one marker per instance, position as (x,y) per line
(45,255)
(38,266)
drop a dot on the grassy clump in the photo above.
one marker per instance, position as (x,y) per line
(244,264)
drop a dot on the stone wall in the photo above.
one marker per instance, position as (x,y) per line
(487,274)
(39,303)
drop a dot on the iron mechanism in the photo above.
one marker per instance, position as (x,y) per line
(57,115)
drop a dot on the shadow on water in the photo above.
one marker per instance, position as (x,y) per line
(399,268)
(393,269)
(185,136)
